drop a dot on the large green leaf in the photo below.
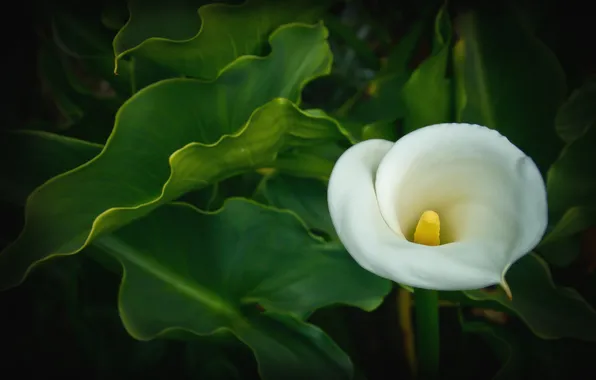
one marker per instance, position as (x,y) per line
(245,255)
(427,95)
(226,33)
(303,196)
(551,312)
(173,137)
(29,158)
(313,161)
(508,80)
(305,164)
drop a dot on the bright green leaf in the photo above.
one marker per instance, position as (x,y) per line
(508,80)
(98,204)
(246,254)
(227,32)
(173,137)
(304,164)
(427,95)
(551,312)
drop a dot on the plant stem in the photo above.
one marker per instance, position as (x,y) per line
(427,332)
(404,304)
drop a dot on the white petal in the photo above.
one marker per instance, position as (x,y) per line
(489,195)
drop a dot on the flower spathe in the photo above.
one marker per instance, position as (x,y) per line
(490,198)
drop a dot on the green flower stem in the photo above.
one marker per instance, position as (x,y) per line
(427,332)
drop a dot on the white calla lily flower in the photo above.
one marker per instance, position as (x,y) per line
(446,207)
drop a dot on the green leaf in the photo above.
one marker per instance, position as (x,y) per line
(173,137)
(227,32)
(375,111)
(577,114)
(348,35)
(427,95)
(399,57)
(505,346)
(305,197)
(283,345)
(571,182)
(571,187)
(245,254)
(560,249)
(248,267)
(576,219)
(304,164)
(551,312)
(174,20)
(39,157)
(381,130)
(99,206)
(315,161)
(508,80)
